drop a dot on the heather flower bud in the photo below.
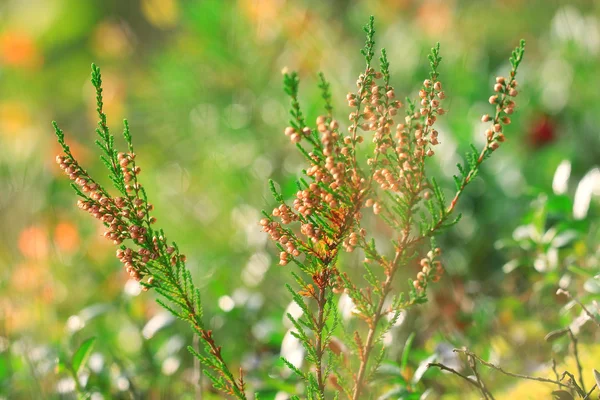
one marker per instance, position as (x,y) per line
(376,208)
(493,99)
(438,86)
(485,118)
(441,95)
(500,80)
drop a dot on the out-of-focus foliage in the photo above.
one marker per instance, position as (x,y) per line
(200,84)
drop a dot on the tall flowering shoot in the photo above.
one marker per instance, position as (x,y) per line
(375,166)
(144,250)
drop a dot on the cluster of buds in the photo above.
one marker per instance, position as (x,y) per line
(376,206)
(378,111)
(330,172)
(431,269)
(352,241)
(121,216)
(504,107)
(133,263)
(97,203)
(413,141)
(130,171)
(286,214)
(388,180)
(278,234)
(425,137)
(330,137)
(296,136)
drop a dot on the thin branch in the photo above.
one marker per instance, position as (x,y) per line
(455,372)
(587,396)
(511,374)
(486,393)
(577,360)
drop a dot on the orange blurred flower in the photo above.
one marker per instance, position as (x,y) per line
(33,242)
(434,17)
(18,49)
(28,277)
(266,15)
(66,237)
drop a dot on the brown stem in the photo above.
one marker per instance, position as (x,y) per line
(321,301)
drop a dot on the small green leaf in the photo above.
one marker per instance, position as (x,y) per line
(580,271)
(597,378)
(406,351)
(82,354)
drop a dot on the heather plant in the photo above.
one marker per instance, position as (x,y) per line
(377,171)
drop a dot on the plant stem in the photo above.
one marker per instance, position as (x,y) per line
(321,301)
(577,360)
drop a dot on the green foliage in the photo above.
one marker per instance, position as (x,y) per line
(82,354)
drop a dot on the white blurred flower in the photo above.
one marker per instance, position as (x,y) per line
(346,306)
(561,177)
(589,185)
(295,311)
(292,351)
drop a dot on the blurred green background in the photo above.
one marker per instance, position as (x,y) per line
(200,84)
